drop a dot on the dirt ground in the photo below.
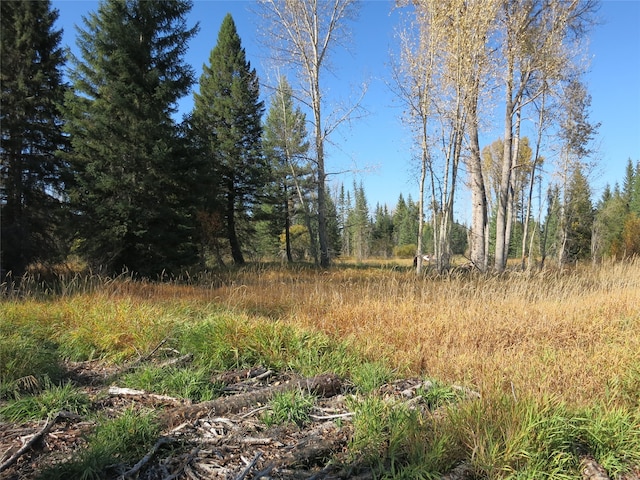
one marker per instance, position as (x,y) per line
(221,439)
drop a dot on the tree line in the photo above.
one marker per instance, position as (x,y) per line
(95,164)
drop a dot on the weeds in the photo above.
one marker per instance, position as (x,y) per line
(189,383)
(293,406)
(52,399)
(370,375)
(436,394)
(26,363)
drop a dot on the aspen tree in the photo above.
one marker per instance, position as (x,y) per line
(536,40)
(302,33)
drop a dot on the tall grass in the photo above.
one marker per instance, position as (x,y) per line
(567,333)
(554,354)
(570,333)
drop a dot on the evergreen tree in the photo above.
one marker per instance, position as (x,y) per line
(634,200)
(607,231)
(344,207)
(382,232)
(579,218)
(334,239)
(359,225)
(32,176)
(399,215)
(286,148)
(408,230)
(227,123)
(576,132)
(459,238)
(628,184)
(132,170)
(550,231)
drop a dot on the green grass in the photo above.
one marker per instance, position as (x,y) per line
(369,376)
(52,399)
(499,436)
(293,406)
(437,394)
(27,358)
(190,383)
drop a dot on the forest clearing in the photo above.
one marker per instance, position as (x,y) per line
(521,375)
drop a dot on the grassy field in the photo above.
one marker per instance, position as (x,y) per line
(555,355)
(573,334)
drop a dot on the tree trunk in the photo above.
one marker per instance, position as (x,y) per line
(532,180)
(287,225)
(423,174)
(502,242)
(234,242)
(322,207)
(479,221)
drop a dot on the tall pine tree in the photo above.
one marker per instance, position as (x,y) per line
(286,148)
(31,175)
(227,124)
(132,185)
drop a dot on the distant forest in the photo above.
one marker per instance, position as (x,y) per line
(96,168)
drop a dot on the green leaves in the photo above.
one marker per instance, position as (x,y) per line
(132,181)
(227,131)
(33,176)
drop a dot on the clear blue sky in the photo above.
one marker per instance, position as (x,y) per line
(377,148)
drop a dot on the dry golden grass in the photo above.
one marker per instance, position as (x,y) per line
(565,333)
(572,334)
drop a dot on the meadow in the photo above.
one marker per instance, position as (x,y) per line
(554,355)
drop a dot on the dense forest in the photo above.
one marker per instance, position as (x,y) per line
(96,167)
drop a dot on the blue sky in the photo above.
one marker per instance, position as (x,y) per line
(377,149)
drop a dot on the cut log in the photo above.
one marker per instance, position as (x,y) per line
(323,385)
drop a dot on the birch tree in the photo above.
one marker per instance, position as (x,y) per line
(472,34)
(536,40)
(442,75)
(414,80)
(302,34)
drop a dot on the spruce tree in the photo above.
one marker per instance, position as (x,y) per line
(634,198)
(578,218)
(286,147)
(132,172)
(382,232)
(359,224)
(334,239)
(608,226)
(31,198)
(227,123)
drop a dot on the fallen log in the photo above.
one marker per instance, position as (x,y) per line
(322,385)
(130,392)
